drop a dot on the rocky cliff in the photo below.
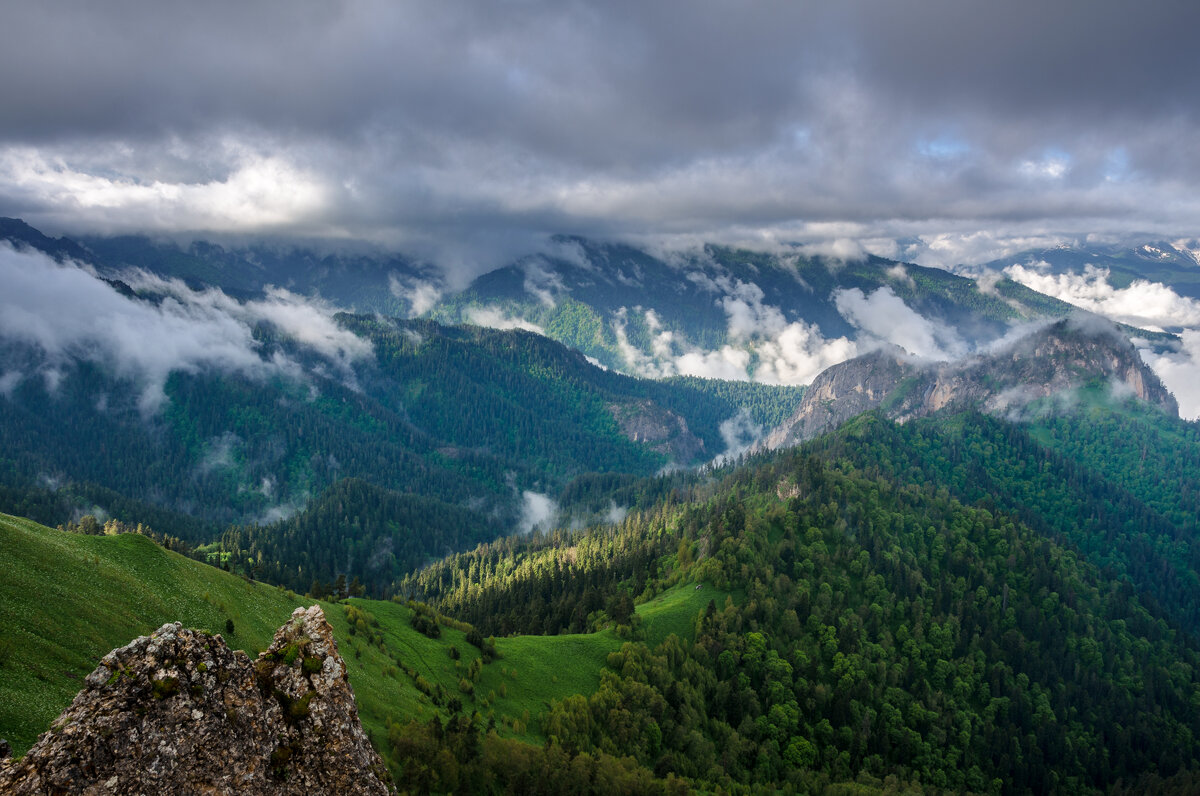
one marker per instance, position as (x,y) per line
(1051,361)
(659,429)
(180,712)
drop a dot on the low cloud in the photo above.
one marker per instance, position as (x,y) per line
(421,296)
(899,273)
(764,346)
(885,317)
(543,281)
(1180,372)
(615,515)
(950,249)
(220,453)
(739,433)
(283,511)
(538,512)
(728,362)
(1149,305)
(68,314)
(845,250)
(494,318)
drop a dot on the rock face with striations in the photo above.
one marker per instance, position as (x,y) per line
(1059,358)
(179,712)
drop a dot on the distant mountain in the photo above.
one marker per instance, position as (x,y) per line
(1053,361)
(20,234)
(1175,264)
(714,311)
(462,434)
(367,281)
(772,317)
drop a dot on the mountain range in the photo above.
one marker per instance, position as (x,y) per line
(930,530)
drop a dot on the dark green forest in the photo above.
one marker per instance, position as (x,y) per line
(884,626)
(425,452)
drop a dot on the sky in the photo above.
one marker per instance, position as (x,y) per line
(463,132)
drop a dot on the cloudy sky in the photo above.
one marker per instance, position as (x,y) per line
(460,129)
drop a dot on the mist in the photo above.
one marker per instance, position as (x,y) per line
(538,512)
(66,314)
(884,317)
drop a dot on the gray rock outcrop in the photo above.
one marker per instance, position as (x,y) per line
(180,712)
(1053,361)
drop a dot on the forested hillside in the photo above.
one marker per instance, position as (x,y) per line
(232,447)
(958,602)
(633,310)
(894,618)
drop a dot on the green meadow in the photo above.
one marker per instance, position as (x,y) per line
(67,599)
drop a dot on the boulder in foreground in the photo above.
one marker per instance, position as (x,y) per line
(180,712)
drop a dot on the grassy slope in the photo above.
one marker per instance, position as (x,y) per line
(67,599)
(674,611)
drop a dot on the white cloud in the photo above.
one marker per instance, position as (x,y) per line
(746,315)
(763,347)
(258,192)
(847,250)
(739,433)
(543,281)
(1143,304)
(1180,372)
(798,353)
(950,249)
(728,362)
(67,313)
(615,514)
(1048,168)
(899,273)
(420,295)
(986,281)
(494,318)
(538,511)
(884,316)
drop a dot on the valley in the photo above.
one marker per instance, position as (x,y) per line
(954,569)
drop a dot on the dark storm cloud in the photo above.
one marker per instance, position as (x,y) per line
(482,126)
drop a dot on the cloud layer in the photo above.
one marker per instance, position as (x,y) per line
(68,314)
(466,130)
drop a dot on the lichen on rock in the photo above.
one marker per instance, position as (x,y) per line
(179,712)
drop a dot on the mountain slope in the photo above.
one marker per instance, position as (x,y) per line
(884,628)
(1119,524)
(1055,360)
(776,317)
(70,598)
(470,417)
(1172,264)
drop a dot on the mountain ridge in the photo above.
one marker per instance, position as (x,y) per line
(1054,360)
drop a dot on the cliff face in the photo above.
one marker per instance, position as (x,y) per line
(179,712)
(659,429)
(1054,360)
